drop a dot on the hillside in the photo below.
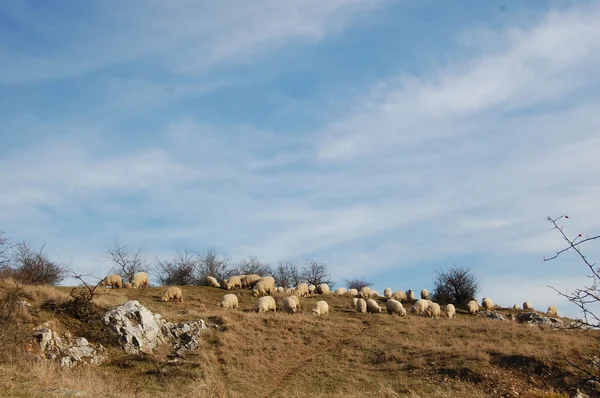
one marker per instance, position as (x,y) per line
(344,354)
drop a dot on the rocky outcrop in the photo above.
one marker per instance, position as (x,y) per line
(534,318)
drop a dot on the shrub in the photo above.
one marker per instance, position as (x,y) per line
(456,285)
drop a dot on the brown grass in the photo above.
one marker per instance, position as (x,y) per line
(344,354)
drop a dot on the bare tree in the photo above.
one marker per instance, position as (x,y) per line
(34,267)
(210,264)
(316,273)
(4,250)
(181,270)
(287,274)
(588,295)
(357,283)
(127,261)
(456,285)
(252,265)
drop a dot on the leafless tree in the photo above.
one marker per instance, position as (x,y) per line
(126,260)
(588,295)
(357,283)
(287,274)
(4,250)
(211,264)
(316,273)
(33,267)
(181,270)
(455,285)
(252,265)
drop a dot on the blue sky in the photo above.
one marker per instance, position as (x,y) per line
(387,139)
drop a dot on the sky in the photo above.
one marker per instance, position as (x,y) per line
(388,139)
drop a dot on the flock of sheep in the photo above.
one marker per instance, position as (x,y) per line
(362,300)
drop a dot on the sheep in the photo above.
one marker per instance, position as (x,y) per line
(425,294)
(289,305)
(127,285)
(433,310)
(395,307)
(229,301)
(387,292)
(320,308)
(354,301)
(365,292)
(265,304)
(323,288)
(140,280)
(419,307)
(374,294)
(450,311)
(280,289)
(487,303)
(248,281)
(400,296)
(527,306)
(302,289)
(264,287)
(210,281)
(516,307)
(174,293)
(233,282)
(297,300)
(288,291)
(112,280)
(373,307)
(353,292)
(473,307)
(340,291)
(552,310)
(312,289)
(410,295)
(361,305)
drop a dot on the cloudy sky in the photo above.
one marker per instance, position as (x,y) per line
(388,139)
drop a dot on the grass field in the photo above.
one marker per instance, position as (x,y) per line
(345,354)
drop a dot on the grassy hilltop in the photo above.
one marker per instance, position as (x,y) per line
(345,354)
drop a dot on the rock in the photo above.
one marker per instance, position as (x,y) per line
(185,336)
(494,315)
(537,319)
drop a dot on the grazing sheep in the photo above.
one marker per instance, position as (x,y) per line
(280,289)
(353,292)
(450,311)
(425,294)
(400,296)
(473,307)
(297,300)
(373,307)
(361,305)
(354,301)
(289,290)
(312,289)
(552,310)
(419,307)
(210,281)
(365,292)
(112,280)
(527,306)
(487,303)
(264,287)
(374,294)
(387,292)
(410,295)
(302,289)
(323,288)
(265,304)
(433,310)
(229,301)
(395,307)
(140,280)
(127,285)
(233,282)
(340,291)
(248,281)
(289,305)
(516,307)
(174,293)
(320,308)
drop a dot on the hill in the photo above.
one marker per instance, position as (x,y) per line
(345,354)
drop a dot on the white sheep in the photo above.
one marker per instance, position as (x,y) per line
(395,307)
(433,310)
(229,301)
(354,301)
(353,292)
(473,307)
(527,306)
(552,310)
(265,304)
(400,296)
(127,285)
(516,307)
(374,294)
(140,280)
(419,307)
(320,308)
(210,281)
(450,311)
(425,294)
(361,305)
(112,280)
(280,289)
(312,289)
(487,303)
(248,281)
(323,288)
(410,295)
(233,282)
(340,291)
(387,292)
(365,292)
(297,300)
(264,287)
(373,307)
(289,305)
(174,293)
(302,289)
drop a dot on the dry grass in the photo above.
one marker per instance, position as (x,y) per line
(344,354)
